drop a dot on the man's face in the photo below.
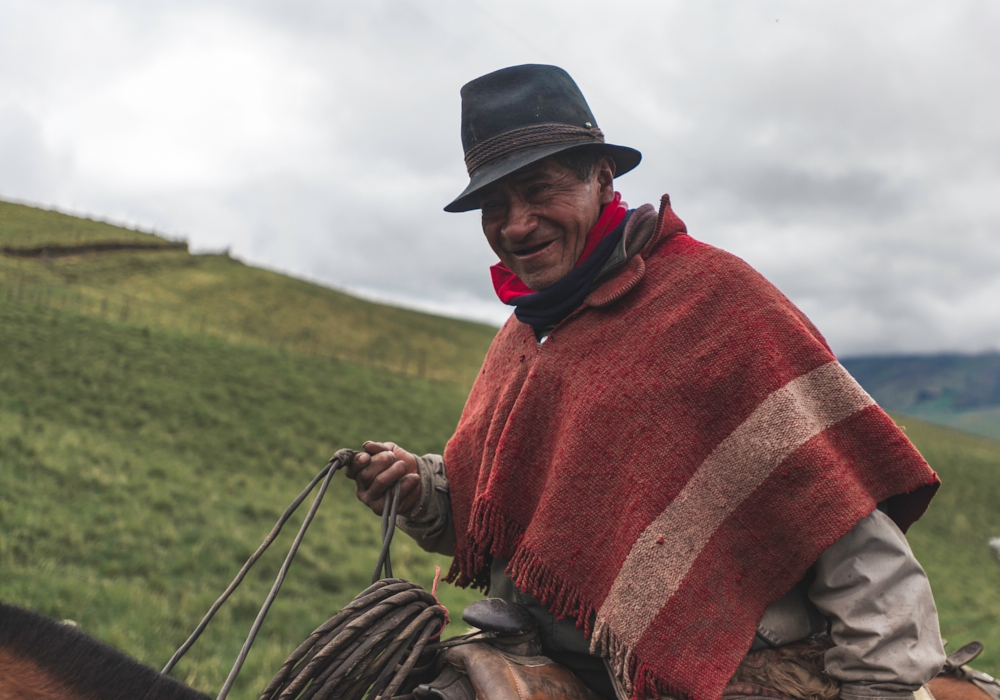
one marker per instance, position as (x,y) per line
(537,219)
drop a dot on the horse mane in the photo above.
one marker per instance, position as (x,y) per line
(82,663)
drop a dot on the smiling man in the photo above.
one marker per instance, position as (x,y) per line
(661,458)
(537,219)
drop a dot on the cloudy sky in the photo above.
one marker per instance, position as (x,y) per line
(848,150)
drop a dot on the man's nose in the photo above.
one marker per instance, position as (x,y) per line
(520,222)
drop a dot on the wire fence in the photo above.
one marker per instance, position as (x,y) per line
(240,328)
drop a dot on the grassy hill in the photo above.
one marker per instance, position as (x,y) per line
(139,469)
(951,540)
(158,410)
(216,296)
(29,227)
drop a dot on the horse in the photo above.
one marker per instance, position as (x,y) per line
(44,659)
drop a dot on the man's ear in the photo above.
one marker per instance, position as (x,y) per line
(606,179)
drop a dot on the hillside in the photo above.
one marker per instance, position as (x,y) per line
(25,227)
(159,409)
(962,391)
(139,469)
(217,296)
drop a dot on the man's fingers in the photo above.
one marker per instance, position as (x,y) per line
(409,492)
(375,466)
(368,497)
(363,458)
(360,461)
(376,506)
(376,454)
(374,448)
(387,477)
(371,490)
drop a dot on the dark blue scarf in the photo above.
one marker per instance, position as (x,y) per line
(543,310)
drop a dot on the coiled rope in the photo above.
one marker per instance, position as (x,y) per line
(373,648)
(370,648)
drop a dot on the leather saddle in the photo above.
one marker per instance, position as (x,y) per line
(956,669)
(504,663)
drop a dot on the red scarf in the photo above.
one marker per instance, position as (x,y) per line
(670,462)
(509,286)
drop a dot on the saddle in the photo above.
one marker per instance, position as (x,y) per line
(953,681)
(504,662)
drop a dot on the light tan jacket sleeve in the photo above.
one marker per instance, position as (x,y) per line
(882,615)
(430,522)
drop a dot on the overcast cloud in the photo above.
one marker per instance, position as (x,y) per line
(848,150)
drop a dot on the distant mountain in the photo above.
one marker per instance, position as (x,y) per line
(962,391)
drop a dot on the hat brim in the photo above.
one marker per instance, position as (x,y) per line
(625,160)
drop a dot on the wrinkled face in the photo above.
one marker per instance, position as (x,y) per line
(537,219)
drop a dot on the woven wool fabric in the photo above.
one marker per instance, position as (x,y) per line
(671,461)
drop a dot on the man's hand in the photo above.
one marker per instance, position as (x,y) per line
(377,468)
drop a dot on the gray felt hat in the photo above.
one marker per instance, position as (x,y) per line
(516,116)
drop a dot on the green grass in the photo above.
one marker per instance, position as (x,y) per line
(138,470)
(980,421)
(157,413)
(221,297)
(951,540)
(26,227)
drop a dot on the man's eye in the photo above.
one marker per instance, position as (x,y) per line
(537,189)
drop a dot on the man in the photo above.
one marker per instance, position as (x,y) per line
(661,457)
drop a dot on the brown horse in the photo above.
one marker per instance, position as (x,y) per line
(952,688)
(43,659)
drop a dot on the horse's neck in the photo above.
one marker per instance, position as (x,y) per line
(951,688)
(42,659)
(23,679)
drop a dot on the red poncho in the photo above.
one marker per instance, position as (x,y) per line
(669,462)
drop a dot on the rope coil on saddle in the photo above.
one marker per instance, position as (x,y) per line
(370,647)
(375,647)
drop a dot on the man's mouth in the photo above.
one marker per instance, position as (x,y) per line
(527,252)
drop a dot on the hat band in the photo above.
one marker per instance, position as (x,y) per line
(527,137)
